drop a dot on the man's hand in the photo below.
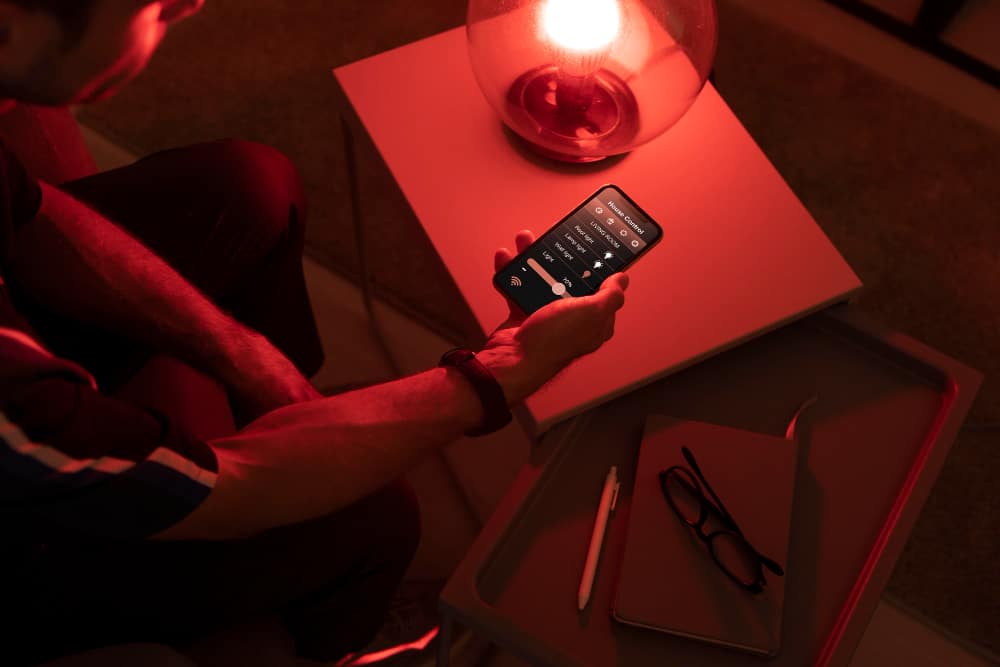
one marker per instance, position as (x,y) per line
(525,352)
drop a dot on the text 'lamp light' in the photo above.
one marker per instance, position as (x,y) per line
(584,79)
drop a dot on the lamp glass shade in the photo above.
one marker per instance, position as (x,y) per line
(580,80)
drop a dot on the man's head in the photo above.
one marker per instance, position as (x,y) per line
(64,51)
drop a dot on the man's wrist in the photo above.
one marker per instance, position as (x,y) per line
(505,368)
(490,394)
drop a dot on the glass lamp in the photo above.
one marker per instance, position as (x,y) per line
(580,80)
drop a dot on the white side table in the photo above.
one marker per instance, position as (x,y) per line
(740,254)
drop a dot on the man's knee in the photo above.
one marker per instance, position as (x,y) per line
(264,186)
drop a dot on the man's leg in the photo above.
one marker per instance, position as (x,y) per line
(329,580)
(229,216)
(325,583)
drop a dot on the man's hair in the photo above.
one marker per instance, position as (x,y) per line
(74,15)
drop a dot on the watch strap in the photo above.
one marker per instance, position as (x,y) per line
(496,413)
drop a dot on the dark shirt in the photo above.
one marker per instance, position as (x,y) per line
(76,463)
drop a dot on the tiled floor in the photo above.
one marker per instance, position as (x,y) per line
(453,513)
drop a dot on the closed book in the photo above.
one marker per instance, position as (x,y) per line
(668,580)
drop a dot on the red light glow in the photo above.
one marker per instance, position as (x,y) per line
(379,656)
(581,25)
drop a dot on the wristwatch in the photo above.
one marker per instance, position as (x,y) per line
(496,414)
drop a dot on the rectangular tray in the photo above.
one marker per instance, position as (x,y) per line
(872,446)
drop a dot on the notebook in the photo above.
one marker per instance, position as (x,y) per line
(668,580)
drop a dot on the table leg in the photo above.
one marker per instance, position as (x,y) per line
(444,640)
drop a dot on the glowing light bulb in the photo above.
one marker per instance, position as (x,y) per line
(581,25)
(580,34)
(579,80)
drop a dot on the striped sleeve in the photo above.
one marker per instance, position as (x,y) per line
(74,462)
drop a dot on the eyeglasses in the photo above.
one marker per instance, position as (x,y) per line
(729,548)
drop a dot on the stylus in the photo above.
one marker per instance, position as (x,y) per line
(609,498)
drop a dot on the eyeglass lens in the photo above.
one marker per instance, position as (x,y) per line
(730,550)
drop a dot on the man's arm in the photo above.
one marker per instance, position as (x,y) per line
(79,264)
(308,459)
(312,458)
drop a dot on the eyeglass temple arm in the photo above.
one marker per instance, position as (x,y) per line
(708,487)
(768,563)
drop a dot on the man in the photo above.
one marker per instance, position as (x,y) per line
(126,515)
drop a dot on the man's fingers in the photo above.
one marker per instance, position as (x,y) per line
(615,299)
(611,294)
(616,280)
(501,258)
(612,291)
(524,238)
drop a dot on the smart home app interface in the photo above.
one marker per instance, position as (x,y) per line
(600,238)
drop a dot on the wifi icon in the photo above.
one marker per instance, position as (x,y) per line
(515,281)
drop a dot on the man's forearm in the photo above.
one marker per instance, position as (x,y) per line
(308,459)
(107,278)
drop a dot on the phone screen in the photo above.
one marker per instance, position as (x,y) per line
(602,236)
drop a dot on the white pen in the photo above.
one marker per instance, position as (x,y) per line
(609,498)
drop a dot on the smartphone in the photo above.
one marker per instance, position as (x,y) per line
(602,236)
